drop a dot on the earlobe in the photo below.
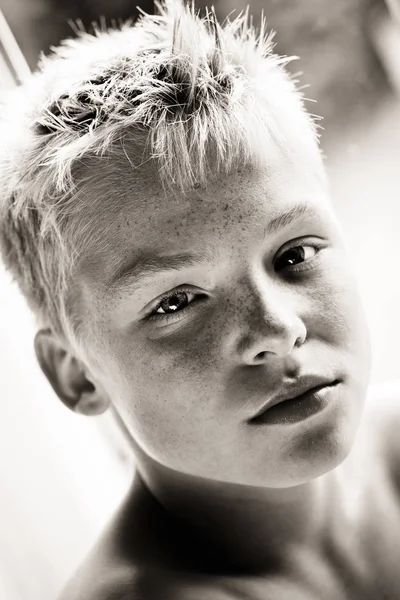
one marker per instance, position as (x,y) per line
(68,376)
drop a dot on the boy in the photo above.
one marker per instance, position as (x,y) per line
(164,210)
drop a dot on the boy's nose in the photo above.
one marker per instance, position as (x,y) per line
(280,344)
(271,327)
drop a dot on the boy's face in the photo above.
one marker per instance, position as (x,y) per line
(193,347)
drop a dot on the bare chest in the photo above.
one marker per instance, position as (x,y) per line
(360,562)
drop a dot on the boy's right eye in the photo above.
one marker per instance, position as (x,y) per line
(176,301)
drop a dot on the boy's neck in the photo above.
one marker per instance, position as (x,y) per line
(251,529)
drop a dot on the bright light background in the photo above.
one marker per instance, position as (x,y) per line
(62,475)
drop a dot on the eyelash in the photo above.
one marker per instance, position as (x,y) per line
(175,316)
(170,317)
(308,264)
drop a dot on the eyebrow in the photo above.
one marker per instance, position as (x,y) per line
(284,219)
(147,265)
(133,274)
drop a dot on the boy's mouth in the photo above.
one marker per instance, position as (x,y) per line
(295,392)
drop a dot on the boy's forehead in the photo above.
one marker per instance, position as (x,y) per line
(128,210)
(118,201)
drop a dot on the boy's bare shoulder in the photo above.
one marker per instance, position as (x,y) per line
(144,583)
(101,582)
(158,584)
(129,562)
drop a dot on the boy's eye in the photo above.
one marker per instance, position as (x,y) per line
(179,300)
(174,302)
(296,255)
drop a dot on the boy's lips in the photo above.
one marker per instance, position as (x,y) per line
(296,389)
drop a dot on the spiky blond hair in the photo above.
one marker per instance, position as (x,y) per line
(196,96)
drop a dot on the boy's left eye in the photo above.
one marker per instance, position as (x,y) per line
(296,255)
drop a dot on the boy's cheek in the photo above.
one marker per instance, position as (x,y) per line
(342,323)
(164,413)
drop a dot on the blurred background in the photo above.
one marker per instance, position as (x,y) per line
(62,475)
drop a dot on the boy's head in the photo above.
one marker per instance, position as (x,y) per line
(164,211)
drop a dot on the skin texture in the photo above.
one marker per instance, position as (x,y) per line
(257,316)
(237,342)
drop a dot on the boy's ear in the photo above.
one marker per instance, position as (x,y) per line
(67,376)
